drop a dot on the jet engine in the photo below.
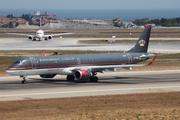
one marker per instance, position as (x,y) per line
(30,37)
(50,37)
(47,76)
(82,74)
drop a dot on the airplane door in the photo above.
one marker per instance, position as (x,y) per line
(78,61)
(33,62)
(129,58)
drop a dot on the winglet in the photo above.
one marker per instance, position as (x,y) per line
(152,61)
(43,54)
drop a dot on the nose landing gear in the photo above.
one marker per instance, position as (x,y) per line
(24,79)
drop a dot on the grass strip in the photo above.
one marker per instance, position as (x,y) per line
(151,106)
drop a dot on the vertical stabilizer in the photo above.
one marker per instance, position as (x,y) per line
(143,41)
(40,25)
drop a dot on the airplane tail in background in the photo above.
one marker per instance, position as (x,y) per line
(142,44)
(40,24)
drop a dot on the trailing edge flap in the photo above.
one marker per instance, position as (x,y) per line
(111,67)
(128,68)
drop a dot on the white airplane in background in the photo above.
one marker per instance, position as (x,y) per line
(39,35)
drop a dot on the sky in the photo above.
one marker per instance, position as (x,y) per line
(89,4)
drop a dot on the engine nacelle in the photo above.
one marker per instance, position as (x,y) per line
(30,37)
(82,74)
(50,37)
(48,75)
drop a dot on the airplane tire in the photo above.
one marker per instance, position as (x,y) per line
(24,82)
(94,79)
(70,78)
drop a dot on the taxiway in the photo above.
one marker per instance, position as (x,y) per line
(71,44)
(109,83)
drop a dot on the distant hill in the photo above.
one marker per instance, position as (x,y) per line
(27,27)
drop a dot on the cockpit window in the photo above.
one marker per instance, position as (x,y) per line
(20,62)
(17,62)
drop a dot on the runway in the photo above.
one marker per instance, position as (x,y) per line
(109,83)
(71,44)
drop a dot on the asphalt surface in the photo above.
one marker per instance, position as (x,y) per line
(109,83)
(71,44)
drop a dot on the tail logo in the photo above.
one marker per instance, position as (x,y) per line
(142,42)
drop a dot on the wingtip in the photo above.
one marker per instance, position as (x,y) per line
(43,54)
(152,61)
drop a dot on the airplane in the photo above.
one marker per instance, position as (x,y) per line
(39,34)
(83,66)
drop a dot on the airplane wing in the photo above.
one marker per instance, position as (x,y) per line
(20,34)
(105,67)
(58,34)
(112,67)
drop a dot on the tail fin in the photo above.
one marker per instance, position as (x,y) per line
(40,24)
(143,42)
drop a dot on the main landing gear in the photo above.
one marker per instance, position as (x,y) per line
(72,78)
(34,39)
(94,79)
(24,79)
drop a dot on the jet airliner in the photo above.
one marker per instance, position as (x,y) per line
(83,66)
(39,35)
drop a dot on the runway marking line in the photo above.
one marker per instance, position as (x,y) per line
(88,91)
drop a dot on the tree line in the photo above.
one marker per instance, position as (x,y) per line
(174,22)
(27,17)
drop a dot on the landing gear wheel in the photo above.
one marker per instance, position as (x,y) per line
(24,82)
(34,39)
(70,78)
(24,79)
(94,79)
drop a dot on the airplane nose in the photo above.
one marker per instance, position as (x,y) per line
(9,72)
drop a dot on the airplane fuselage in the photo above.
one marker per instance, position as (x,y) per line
(62,64)
(39,34)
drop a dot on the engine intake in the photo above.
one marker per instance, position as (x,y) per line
(82,74)
(30,37)
(50,37)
